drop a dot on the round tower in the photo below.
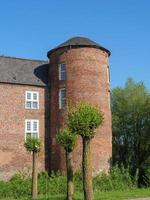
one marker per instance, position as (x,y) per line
(79,71)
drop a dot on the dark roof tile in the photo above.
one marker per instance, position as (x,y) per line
(23,71)
(79,41)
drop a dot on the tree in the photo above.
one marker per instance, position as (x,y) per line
(68,140)
(83,119)
(131,126)
(33,145)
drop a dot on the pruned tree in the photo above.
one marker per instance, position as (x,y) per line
(82,120)
(68,140)
(33,145)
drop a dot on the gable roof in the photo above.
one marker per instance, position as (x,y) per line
(23,71)
(79,42)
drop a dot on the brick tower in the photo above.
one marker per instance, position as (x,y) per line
(79,70)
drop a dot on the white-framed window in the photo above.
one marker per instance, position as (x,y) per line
(62,98)
(31,128)
(62,71)
(31,100)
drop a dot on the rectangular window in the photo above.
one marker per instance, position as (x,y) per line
(31,128)
(108,74)
(62,98)
(62,71)
(31,100)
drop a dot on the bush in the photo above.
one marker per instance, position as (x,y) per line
(4,189)
(20,185)
(78,185)
(116,179)
(16,187)
(144,180)
(53,184)
(147,177)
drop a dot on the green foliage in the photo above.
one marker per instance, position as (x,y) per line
(17,187)
(144,177)
(83,119)
(131,125)
(32,144)
(78,182)
(20,185)
(116,179)
(66,139)
(52,185)
(55,184)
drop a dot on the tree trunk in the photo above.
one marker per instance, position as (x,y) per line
(34,176)
(69,165)
(87,170)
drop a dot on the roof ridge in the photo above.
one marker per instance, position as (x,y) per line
(29,59)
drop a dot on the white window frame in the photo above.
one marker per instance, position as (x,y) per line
(32,100)
(60,98)
(31,131)
(61,71)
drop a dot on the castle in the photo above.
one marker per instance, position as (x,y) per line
(33,95)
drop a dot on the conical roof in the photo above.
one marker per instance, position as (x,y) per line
(79,42)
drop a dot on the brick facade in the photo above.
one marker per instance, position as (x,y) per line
(13,155)
(87,79)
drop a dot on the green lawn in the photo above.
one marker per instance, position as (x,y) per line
(115,195)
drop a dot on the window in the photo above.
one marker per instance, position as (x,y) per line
(62,71)
(31,128)
(108,74)
(32,100)
(62,98)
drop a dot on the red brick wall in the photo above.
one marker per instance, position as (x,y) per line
(13,155)
(87,79)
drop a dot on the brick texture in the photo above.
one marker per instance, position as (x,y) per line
(13,155)
(88,80)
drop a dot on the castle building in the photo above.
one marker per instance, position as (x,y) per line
(33,95)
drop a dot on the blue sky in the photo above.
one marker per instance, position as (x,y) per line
(29,28)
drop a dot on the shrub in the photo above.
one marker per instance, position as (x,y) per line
(4,189)
(116,179)
(78,183)
(20,185)
(53,184)
(16,187)
(145,177)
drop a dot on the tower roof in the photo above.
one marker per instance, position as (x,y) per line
(79,42)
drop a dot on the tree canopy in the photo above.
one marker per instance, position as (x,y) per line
(84,118)
(66,139)
(131,125)
(32,144)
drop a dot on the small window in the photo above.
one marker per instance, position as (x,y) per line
(32,100)
(62,71)
(31,128)
(62,98)
(108,74)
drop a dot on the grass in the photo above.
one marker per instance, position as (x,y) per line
(114,195)
(120,195)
